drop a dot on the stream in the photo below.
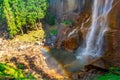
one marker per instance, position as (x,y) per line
(62,61)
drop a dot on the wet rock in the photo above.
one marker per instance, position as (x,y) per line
(69,38)
(48,40)
(62,35)
(98,63)
(71,43)
(112,38)
(51,40)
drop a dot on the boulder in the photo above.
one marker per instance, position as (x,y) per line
(72,41)
(98,63)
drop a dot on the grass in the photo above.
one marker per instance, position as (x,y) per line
(109,76)
(53,30)
(32,36)
(113,74)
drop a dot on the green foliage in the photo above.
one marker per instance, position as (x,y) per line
(9,18)
(109,76)
(6,71)
(113,74)
(115,70)
(54,32)
(50,19)
(67,22)
(22,14)
(36,10)
(20,66)
(1,11)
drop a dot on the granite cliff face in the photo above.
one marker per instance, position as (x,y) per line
(115,26)
(63,9)
(112,54)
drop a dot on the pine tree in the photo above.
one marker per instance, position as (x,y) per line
(9,18)
(20,14)
(18,7)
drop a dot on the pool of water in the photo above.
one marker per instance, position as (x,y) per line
(59,58)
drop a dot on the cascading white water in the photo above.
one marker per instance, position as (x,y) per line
(94,38)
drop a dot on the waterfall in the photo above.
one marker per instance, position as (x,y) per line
(93,44)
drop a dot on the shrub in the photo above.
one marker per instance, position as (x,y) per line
(67,22)
(12,73)
(50,19)
(54,32)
